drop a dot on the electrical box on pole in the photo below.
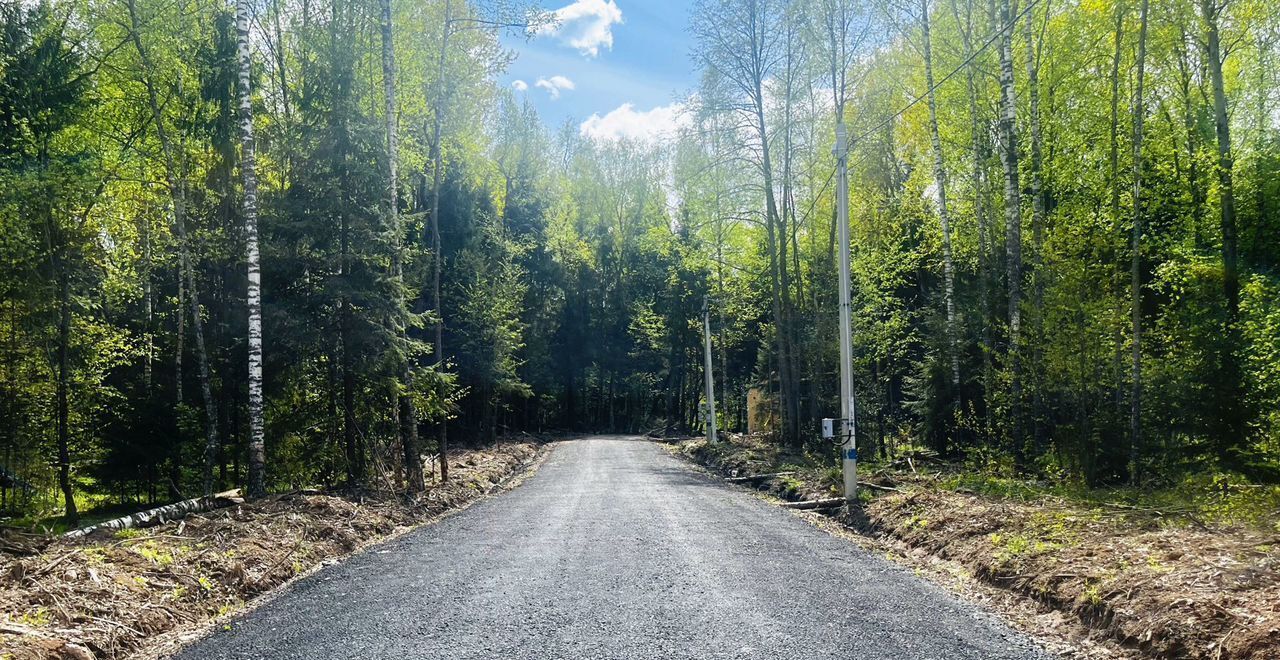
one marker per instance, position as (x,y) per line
(848,429)
(711,388)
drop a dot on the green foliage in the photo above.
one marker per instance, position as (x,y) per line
(574,270)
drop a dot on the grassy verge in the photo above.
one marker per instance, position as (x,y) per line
(109,595)
(1166,575)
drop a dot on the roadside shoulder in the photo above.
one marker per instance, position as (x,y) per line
(146,593)
(1083,582)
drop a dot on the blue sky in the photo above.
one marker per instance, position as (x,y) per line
(615,67)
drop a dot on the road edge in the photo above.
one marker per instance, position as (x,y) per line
(1057,634)
(175,641)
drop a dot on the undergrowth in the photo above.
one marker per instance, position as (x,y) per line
(1215,499)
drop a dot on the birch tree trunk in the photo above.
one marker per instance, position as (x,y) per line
(278,50)
(1012,214)
(341,40)
(55,247)
(944,213)
(1264,45)
(1231,424)
(786,232)
(1135,264)
(1222,125)
(777,265)
(1115,111)
(148,305)
(978,147)
(64,376)
(1186,76)
(177,198)
(1113,182)
(1037,226)
(407,413)
(253,299)
(437,164)
(180,324)
(721,301)
(777,237)
(742,39)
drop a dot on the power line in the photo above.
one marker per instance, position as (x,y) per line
(967,61)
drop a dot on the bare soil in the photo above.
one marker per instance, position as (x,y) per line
(1152,584)
(114,595)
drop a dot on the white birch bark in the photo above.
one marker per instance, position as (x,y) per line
(1012,210)
(944,214)
(253,300)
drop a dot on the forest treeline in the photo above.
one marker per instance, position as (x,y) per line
(277,243)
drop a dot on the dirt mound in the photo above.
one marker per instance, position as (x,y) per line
(108,594)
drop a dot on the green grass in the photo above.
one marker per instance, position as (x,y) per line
(1218,498)
(1210,497)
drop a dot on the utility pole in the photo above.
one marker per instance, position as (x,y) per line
(710,380)
(848,435)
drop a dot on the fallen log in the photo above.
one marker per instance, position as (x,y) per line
(758,477)
(829,503)
(162,514)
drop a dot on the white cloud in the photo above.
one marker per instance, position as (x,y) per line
(586,25)
(646,126)
(519,85)
(554,84)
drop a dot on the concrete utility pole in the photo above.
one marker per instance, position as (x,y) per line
(711,387)
(848,436)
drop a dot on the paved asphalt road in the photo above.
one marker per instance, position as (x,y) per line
(615,549)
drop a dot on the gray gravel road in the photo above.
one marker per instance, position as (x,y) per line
(614,549)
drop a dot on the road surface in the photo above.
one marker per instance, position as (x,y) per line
(615,549)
